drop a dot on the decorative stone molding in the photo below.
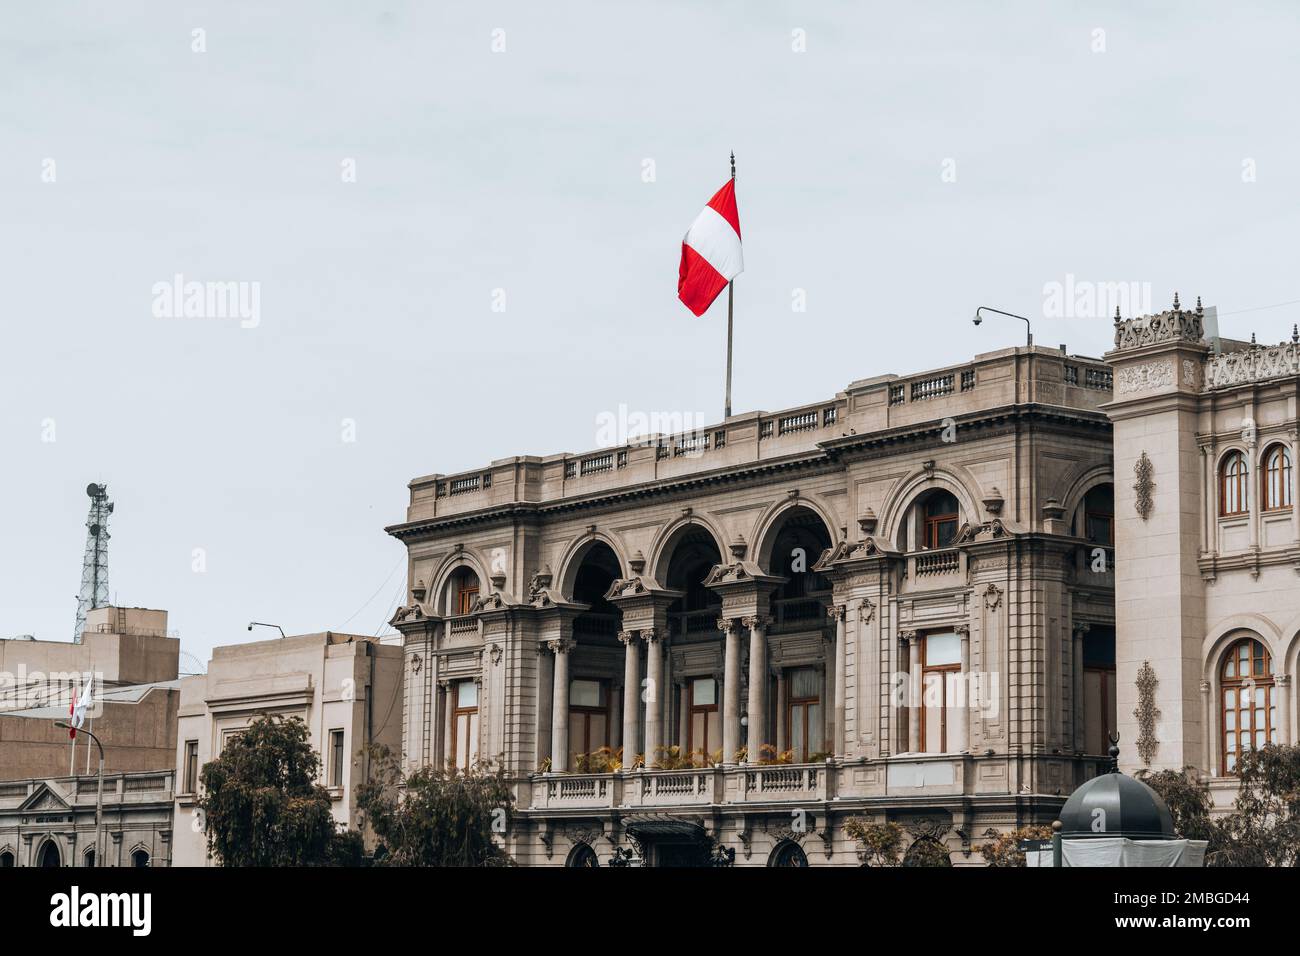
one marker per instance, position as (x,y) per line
(755,622)
(1144,377)
(1255,364)
(907,635)
(652,635)
(726,624)
(1143,471)
(993,528)
(993,503)
(992,596)
(866,611)
(627,637)
(837,612)
(495,654)
(561,646)
(1147,713)
(1172,325)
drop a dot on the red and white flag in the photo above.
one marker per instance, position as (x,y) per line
(711,251)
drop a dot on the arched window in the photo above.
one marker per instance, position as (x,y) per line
(582,856)
(49,855)
(6,860)
(140,858)
(88,859)
(1276,490)
(1099,516)
(462,591)
(788,853)
(1233,485)
(939,520)
(1249,714)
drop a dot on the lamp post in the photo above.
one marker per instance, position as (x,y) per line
(99,796)
(1029,335)
(253,624)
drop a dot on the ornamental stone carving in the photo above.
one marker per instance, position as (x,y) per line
(1256,364)
(1173,325)
(1146,713)
(1142,471)
(1144,377)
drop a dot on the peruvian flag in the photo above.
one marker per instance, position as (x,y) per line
(711,251)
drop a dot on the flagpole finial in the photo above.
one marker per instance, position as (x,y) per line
(733,164)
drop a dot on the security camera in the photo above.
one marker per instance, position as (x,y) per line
(977,320)
(250,626)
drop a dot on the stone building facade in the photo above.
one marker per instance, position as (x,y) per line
(1208,543)
(895,604)
(345,687)
(51,822)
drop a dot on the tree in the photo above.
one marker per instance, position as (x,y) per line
(435,817)
(1265,829)
(1005,850)
(1189,804)
(879,844)
(261,803)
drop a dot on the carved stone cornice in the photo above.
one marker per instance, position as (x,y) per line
(1255,364)
(1172,325)
(415,613)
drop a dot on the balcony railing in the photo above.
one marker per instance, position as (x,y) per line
(462,625)
(937,562)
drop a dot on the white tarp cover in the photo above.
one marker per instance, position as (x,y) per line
(1121,851)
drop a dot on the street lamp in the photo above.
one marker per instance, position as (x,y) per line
(253,624)
(1029,335)
(99,794)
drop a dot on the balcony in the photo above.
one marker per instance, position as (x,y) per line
(935,569)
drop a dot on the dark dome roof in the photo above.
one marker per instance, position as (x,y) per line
(1129,809)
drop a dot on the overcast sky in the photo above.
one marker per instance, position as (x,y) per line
(900,164)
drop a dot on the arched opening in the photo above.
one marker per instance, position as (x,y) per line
(582,856)
(599,569)
(1098,515)
(88,858)
(788,853)
(798,543)
(694,555)
(931,522)
(6,860)
(1275,476)
(1234,485)
(140,858)
(927,852)
(462,592)
(1248,714)
(49,855)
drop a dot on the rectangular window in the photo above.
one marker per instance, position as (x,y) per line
(191,766)
(804,712)
(464,725)
(940,675)
(1099,692)
(337,757)
(588,717)
(466,595)
(704,730)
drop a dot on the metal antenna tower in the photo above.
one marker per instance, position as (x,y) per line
(94,566)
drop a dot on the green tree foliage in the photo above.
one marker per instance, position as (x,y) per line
(1189,804)
(1265,829)
(1005,850)
(261,803)
(879,844)
(437,817)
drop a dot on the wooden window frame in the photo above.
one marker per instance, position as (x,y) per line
(1281,455)
(930,524)
(456,713)
(693,708)
(338,753)
(1236,684)
(466,595)
(943,670)
(588,712)
(801,748)
(191,768)
(1239,482)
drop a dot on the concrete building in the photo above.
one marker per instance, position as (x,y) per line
(51,822)
(896,603)
(1208,543)
(345,687)
(135,697)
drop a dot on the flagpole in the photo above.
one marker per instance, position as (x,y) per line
(730,303)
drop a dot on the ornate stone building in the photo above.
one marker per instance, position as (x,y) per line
(896,604)
(1208,543)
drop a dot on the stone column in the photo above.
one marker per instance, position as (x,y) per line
(683,715)
(448,718)
(1207,726)
(1282,683)
(615,716)
(545,690)
(730,691)
(1076,673)
(631,703)
(560,706)
(654,693)
(959,739)
(757,685)
(915,692)
(838,744)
